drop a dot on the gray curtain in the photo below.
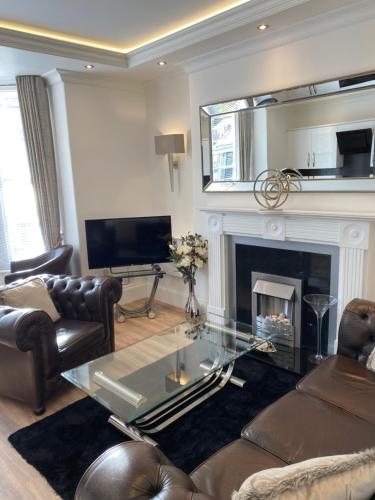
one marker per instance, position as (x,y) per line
(245,137)
(36,121)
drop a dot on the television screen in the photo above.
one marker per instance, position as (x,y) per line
(125,242)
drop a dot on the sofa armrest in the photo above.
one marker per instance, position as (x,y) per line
(357,330)
(136,470)
(86,299)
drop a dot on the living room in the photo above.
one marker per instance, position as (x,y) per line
(125,82)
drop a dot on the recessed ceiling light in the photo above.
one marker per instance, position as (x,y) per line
(262,27)
(89,66)
(162,63)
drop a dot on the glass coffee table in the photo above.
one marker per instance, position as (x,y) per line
(149,385)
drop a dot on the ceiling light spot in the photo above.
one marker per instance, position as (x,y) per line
(89,66)
(262,27)
(162,63)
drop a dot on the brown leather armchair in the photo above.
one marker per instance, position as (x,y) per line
(34,350)
(55,261)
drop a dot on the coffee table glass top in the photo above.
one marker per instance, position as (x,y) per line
(140,378)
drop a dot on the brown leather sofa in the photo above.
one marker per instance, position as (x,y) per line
(34,350)
(54,261)
(332,411)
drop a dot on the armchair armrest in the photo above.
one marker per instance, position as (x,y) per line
(20,328)
(27,264)
(136,470)
(25,272)
(86,298)
(30,329)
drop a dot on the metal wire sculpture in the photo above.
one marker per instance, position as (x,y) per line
(272,187)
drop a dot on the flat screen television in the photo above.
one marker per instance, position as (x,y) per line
(126,242)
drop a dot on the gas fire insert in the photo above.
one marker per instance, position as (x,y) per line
(276,307)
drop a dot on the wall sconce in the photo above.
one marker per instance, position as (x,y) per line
(169,145)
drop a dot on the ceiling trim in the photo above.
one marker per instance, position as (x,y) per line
(338,18)
(57,76)
(45,45)
(213,26)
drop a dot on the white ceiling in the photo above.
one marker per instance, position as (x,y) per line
(127,22)
(121,24)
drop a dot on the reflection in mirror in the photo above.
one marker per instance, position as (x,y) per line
(322,131)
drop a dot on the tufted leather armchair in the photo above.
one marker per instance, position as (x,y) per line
(34,350)
(54,261)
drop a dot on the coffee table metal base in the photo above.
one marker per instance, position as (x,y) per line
(167,413)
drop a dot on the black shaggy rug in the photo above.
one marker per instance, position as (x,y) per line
(63,445)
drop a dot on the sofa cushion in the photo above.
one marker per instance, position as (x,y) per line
(345,383)
(334,477)
(224,471)
(299,426)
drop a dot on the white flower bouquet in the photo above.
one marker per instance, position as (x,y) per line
(188,256)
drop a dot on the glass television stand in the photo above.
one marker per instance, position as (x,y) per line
(146,309)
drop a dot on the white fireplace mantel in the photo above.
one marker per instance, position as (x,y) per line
(348,231)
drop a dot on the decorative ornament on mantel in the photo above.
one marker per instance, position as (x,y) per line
(189,255)
(272,187)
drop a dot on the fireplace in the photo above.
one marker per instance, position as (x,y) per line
(271,281)
(276,307)
(334,246)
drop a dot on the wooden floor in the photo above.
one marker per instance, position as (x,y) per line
(20,481)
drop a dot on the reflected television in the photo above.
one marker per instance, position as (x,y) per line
(127,242)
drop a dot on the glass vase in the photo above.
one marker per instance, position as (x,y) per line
(319,303)
(192,307)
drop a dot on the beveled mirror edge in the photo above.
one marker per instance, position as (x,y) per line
(354,185)
(349,185)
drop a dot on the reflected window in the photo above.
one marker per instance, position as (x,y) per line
(224,137)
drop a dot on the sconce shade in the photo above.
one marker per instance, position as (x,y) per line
(172,143)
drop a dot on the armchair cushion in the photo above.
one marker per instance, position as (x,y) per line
(78,341)
(31,293)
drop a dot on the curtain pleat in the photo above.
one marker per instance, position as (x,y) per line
(34,107)
(245,132)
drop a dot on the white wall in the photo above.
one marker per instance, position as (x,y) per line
(103,164)
(334,54)
(168,112)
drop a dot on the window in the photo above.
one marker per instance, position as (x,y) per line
(20,235)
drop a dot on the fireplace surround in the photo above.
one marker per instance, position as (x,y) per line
(346,237)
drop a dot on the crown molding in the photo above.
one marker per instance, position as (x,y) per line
(216,25)
(57,76)
(45,45)
(362,10)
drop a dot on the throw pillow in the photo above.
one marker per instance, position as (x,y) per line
(338,477)
(370,364)
(31,293)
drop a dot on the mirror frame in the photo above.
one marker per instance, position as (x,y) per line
(353,184)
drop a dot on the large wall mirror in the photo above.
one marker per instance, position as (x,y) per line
(323,132)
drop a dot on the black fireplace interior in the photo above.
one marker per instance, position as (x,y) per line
(313,269)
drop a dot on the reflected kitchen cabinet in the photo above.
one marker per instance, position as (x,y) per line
(310,148)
